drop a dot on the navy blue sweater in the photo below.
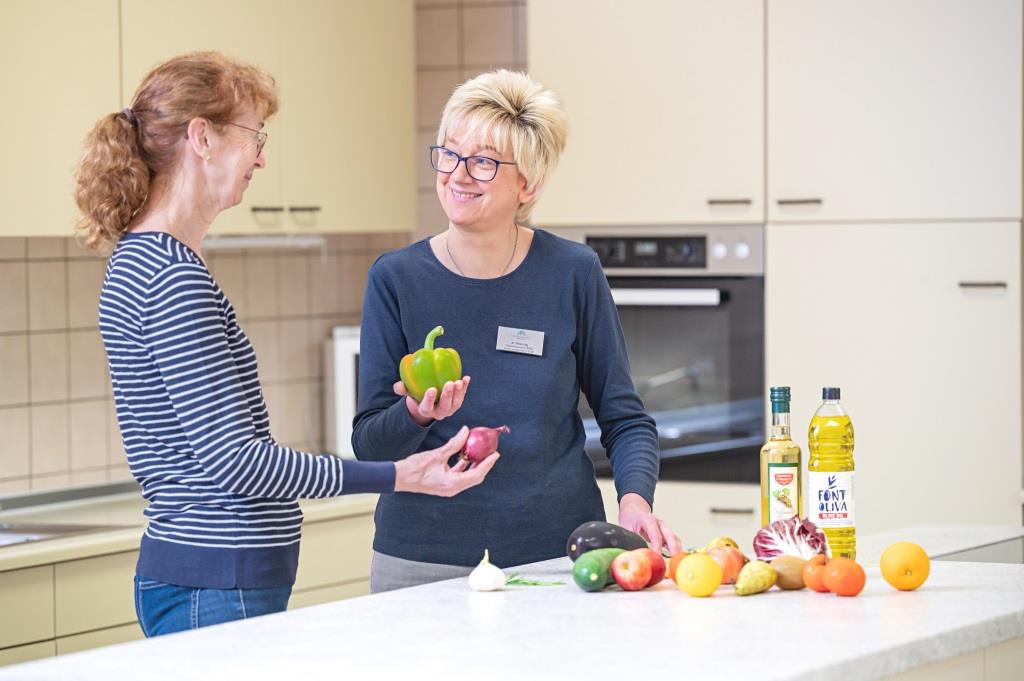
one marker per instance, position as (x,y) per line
(222,494)
(544,485)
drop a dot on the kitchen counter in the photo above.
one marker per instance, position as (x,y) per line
(125,511)
(446,630)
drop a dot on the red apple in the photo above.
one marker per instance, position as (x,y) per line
(632,569)
(658,566)
(731,560)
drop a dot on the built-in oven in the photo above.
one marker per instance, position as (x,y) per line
(691,303)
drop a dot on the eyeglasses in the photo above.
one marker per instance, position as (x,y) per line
(482,168)
(261,137)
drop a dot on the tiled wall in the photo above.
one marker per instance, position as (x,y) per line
(454,42)
(57,422)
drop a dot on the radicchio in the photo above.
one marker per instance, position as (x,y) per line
(791,537)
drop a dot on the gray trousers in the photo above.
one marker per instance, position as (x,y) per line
(388,573)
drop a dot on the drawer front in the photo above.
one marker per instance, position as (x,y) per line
(95,593)
(98,639)
(34,651)
(27,597)
(335,551)
(329,594)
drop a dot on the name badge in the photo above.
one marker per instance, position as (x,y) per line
(523,341)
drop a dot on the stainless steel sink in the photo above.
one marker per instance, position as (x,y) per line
(22,533)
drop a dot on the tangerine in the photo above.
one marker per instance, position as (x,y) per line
(844,577)
(814,573)
(673,563)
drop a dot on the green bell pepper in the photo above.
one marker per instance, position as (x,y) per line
(429,368)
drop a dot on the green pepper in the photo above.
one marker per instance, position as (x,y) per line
(429,368)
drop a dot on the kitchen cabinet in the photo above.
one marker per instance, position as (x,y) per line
(95,593)
(920,326)
(345,72)
(27,597)
(60,75)
(98,639)
(893,110)
(665,100)
(700,511)
(28,653)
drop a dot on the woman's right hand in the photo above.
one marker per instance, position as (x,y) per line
(453,393)
(429,473)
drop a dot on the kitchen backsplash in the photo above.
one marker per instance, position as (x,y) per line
(57,421)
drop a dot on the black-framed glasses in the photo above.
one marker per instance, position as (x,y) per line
(261,137)
(482,168)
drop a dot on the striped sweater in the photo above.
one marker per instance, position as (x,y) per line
(222,494)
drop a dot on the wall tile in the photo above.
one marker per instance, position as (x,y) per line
(47,296)
(294,413)
(50,443)
(521,46)
(229,273)
(89,435)
(93,477)
(296,349)
(13,370)
(85,279)
(88,365)
(119,473)
(54,481)
(48,367)
(433,88)
(354,269)
(15,485)
(437,37)
(263,336)
(47,247)
(426,177)
(14,287)
(488,35)
(325,283)
(261,281)
(293,284)
(431,217)
(13,248)
(14,430)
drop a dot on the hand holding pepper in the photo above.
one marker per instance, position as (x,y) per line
(431,381)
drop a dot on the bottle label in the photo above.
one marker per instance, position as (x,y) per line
(783,485)
(830,499)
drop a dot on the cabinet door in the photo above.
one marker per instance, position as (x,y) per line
(347,108)
(60,76)
(665,106)
(153,32)
(920,326)
(26,596)
(95,593)
(894,109)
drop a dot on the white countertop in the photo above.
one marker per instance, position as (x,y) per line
(444,630)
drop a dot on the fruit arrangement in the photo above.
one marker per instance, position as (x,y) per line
(791,555)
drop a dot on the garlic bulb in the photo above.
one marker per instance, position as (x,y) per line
(486,576)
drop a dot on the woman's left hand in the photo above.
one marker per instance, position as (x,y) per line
(635,514)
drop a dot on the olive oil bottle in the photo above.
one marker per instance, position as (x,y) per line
(830,475)
(781,482)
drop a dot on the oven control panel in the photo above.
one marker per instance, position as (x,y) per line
(656,252)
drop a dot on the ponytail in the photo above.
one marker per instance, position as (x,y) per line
(111,181)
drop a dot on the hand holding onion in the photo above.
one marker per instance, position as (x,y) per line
(481,443)
(429,473)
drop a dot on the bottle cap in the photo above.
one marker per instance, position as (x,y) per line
(779,395)
(830,393)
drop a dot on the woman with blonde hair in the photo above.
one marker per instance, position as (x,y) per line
(222,542)
(533,318)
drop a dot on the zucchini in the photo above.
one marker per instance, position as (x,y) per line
(592,572)
(600,535)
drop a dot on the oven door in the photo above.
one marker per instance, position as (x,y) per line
(696,352)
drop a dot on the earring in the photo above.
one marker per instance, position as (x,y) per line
(207,157)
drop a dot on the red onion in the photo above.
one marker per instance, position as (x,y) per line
(482,442)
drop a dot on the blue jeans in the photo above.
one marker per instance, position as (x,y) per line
(166,609)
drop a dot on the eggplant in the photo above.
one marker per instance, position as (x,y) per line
(600,535)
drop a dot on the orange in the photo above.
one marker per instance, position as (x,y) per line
(698,575)
(673,563)
(844,577)
(814,572)
(905,565)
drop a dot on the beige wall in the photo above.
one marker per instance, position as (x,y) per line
(57,424)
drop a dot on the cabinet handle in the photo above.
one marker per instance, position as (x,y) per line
(267,209)
(799,202)
(303,209)
(982,284)
(729,202)
(732,511)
